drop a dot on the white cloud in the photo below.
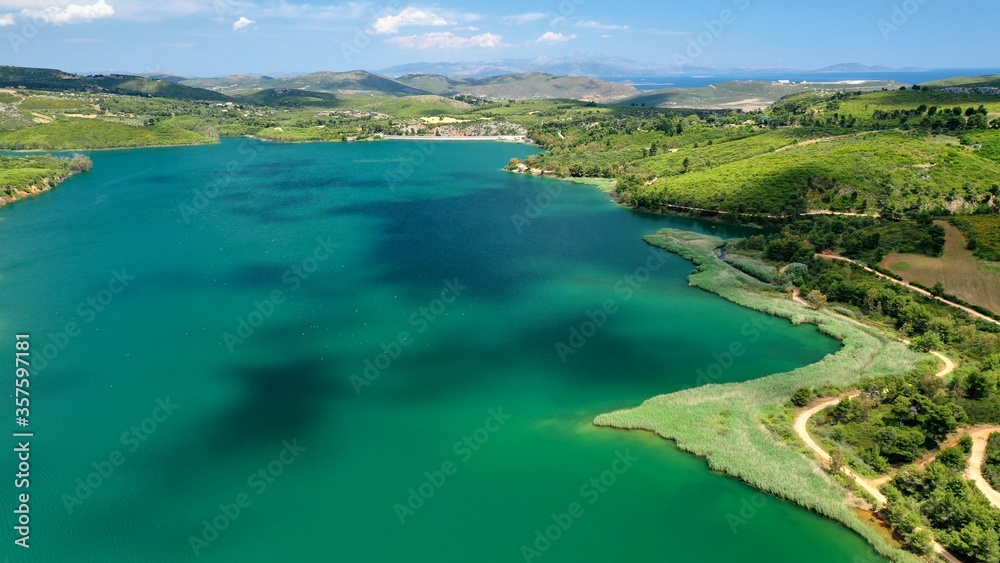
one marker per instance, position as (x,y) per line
(552,38)
(407,18)
(72,13)
(601,26)
(521,19)
(6,19)
(447,40)
(242,23)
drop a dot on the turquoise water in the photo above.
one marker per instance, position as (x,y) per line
(393,312)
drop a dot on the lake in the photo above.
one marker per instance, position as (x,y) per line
(373,352)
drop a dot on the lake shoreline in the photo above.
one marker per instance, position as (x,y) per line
(740,445)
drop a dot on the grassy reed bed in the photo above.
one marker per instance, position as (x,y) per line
(724,423)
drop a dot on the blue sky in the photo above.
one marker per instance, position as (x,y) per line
(213,37)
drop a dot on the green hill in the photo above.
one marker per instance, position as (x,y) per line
(891,172)
(59,81)
(288,98)
(525,86)
(355,83)
(96,134)
(990,80)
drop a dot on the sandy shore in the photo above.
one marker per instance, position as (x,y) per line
(500,138)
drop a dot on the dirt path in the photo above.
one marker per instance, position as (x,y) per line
(801,426)
(970,312)
(974,472)
(812,142)
(802,430)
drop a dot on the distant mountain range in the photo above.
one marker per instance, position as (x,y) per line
(523,86)
(361,83)
(857,67)
(597,66)
(352,83)
(580,65)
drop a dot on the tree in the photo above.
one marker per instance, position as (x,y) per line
(81,163)
(979,385)
(927,343)
(816,299)
(837,460)
(965,442)
(978,121)
(953,458)
(938,290)
(802,396)
(846,411)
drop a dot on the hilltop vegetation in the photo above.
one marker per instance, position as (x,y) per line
(896,153)
(279,97)
(97,134)
(58,81)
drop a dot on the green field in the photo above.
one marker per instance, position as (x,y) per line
(96,134)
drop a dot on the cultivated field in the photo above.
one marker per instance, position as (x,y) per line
(958,270)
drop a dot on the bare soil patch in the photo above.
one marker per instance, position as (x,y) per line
(958,270)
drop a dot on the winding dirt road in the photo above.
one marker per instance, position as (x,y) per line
(801,426)
(974,472)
